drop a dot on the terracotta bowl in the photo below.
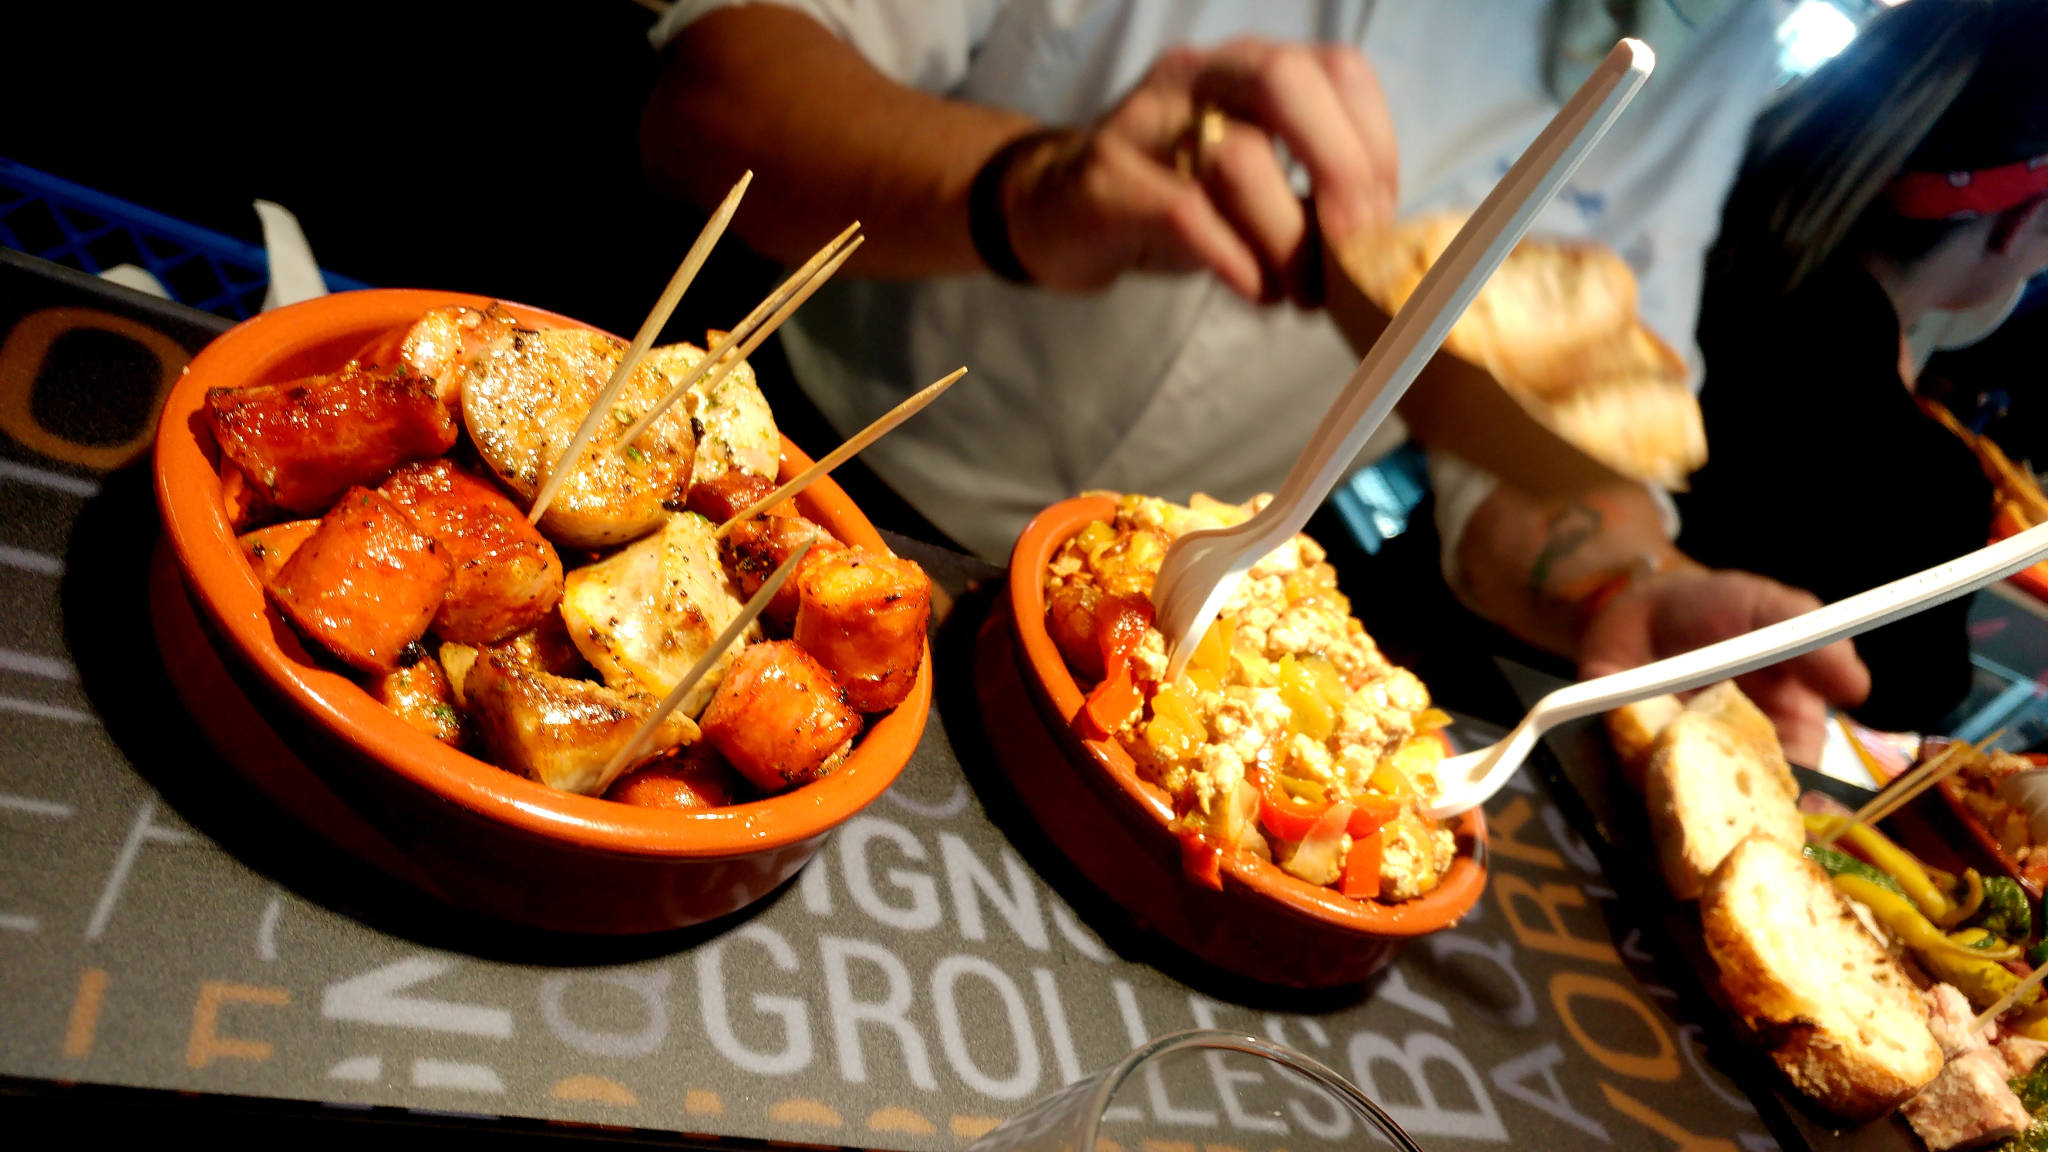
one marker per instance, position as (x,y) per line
(1088,797)
(469,832)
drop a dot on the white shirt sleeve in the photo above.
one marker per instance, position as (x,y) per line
(924,44)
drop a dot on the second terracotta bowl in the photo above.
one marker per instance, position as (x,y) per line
(463,829)
(1090,800)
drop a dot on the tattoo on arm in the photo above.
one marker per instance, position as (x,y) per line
(1573,525)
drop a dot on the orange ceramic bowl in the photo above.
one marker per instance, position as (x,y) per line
(472,833)
(1087,795)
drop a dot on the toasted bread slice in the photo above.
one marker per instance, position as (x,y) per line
(1639,426)
(1706,791)
(1633,730)
(1840,1016)
(1747,723)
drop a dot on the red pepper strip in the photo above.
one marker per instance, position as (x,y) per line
(1112,703)
(1201,860)
(1362,868)
(1283,815)
(1371,814)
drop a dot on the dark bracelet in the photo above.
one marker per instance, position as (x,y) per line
(987,224)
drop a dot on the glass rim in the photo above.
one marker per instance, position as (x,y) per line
(1210,1039)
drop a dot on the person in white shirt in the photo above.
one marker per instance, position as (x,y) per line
(1136,333)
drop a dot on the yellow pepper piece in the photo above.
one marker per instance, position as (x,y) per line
(1213,652)
(1979,978)
(1308,712)
(1880,853)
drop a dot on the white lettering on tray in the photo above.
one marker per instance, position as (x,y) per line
(651,986)
(891,1012)
(968,877)
(1514,1078)
(374,998)
(1163,1110)
(922,912)
(1334,1122)
(1230,1076)
(1020,1084)
(145,829)
(795,1054)
(1428,1116)
(815,885)
(1063,1054)
(1502,956)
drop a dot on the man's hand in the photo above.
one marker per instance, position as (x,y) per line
(1146,189)
(1687,609)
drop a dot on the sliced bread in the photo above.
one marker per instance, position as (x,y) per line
(1707,790)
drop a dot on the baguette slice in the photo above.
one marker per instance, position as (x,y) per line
(1741,718)
(1840,1016)
(1633,730)
(1707,790)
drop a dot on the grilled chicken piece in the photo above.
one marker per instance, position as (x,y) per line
(440,345)
(507,576)
(735,430)
(545,647)
(522,400)
(365,584)
(558,731)
(423,698)
(266,549)
(779,718)
(863,615)
(691,780)
(754,550)
(644,615)
(303,443)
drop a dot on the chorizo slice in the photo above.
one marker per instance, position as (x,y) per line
(266,549)
(558,731)
(365,584)
(692,779)
(752,552)
(779,718)
(863,615)
(301,444)
(722,497)
(507,576)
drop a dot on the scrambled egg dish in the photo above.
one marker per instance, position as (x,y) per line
(1289,735)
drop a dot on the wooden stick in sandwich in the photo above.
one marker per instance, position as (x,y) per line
(664,307)
(840,455)
(757,326)
(633,748)
(1910,784)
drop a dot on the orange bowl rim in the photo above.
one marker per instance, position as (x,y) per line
(188,496)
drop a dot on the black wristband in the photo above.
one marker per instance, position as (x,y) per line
(987,224)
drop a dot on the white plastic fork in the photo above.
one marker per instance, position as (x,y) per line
(1467,780)
(1201,569)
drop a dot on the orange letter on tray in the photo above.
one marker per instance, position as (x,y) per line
(1636,1110)
(1566,988)
(1506,888)
(207,1044)
(1502,831)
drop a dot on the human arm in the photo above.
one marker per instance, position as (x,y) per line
(831,139)
(1595,578)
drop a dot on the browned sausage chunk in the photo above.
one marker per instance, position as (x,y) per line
(728,494)
(754,550)
(863,616)
(301,444)
(266,549)
(365,584)
(693,779)
(421,696)
(779,718)
(507,576)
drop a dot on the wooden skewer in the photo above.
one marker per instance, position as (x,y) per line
(770,312)
(693,261)
(840,455)
(2006,1001)
(632,749)
(1910,784)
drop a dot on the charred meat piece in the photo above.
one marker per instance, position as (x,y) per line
(421,696)
(561,732)
(720,498)
(694,778)
(863,615)
(365,584)
(522,401)
(755,549)
(779,718)
(507,576)
(302,444)
(266,549)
